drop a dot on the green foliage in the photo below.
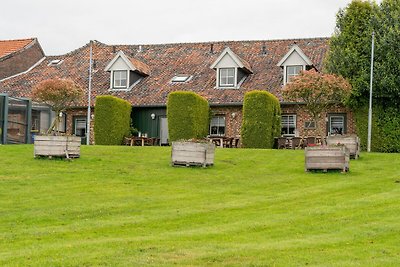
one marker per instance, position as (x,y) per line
(350,47)
(261,119)
(385,128)
(387,67)
(111,120)
(350,50)
(350,55)
(188,116)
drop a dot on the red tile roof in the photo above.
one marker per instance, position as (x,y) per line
(140,66)
(10,46)
(169,60)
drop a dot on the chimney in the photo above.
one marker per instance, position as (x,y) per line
(264,49)
(114,49)
(140,49)
(212,48)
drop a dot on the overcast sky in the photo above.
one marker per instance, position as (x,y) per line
(64,25)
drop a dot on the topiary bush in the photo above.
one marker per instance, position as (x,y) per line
(261,120)
(385,128)
(188,116)
(112,120)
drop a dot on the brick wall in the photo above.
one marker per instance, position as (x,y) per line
(303,116)
(233,119)
(20,61)
(71,114)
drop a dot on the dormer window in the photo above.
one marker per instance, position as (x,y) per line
(120,79)
(227,77)
(292,71)
(293,63)
(126,72)
(231,70)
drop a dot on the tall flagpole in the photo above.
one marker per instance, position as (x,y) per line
(370,95)
(89,95)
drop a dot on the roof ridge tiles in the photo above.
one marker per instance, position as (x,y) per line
(18,40)
(220,42)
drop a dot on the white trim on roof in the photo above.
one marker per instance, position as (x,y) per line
(232,55)
(24,72)
(299,51)
(120,54)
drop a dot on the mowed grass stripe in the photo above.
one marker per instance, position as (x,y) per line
(125,205)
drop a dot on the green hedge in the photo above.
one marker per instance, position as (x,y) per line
(111,120)
(385,128)
(261,120)
(188,116)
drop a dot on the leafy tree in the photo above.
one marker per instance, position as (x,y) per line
(317,91)
(57,93)
(387,67)
(350,47)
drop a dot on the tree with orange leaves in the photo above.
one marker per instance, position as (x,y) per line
(318,91)
(57,93)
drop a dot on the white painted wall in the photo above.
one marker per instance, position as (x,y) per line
(226,62)
(119,64)
(294,59)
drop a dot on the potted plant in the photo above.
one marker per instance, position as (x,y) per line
(319,92)
(59,94)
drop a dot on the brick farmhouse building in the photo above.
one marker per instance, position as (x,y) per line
(222,72)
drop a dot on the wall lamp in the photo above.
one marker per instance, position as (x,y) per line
(153,116)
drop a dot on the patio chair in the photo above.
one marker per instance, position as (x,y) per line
(235,142)
(297,142)
(228,142)
(311,141)
(282,142)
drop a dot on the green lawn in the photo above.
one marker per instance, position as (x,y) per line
(125,206)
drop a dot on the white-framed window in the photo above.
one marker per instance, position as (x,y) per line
(227,77)
(217,125)
(288,125)
(309,125)
(292,71)
(120,79)
(337,124)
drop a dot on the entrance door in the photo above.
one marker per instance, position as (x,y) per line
(163,131)
(80,128)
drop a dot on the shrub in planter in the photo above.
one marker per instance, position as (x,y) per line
(188,116)
(261,120)
(111,120)
(59,94)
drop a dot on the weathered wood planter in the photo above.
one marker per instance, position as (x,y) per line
(352,142)
(327,158)
(192,154)
(57,146)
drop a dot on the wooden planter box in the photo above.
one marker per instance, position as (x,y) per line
(192,154)
(57,146)
(352,142)
(327,158)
